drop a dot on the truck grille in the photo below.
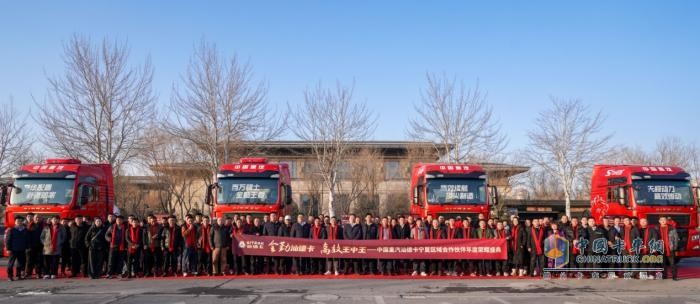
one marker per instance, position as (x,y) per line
(448,215)
(683,220)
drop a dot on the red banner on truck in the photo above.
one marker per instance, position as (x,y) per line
(454,249)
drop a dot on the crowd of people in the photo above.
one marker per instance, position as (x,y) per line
(132,247)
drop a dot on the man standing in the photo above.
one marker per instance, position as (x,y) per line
(369,232)
(352,231)
(301,230)
(79,254)
(535,246)
(501,266)
(385,234)
(204,246)
(134,238)
(189,235)
(285,230)
(116,236)
(452,232)
(171,242)
(317,233)
(34,254)
(152,254)
(95,242)
(628,233)
(271,228)
(483,232)
(418,232)
(17,243)
(53,238)
(402,231)
(333,232)
(670,242)
(219,245)
(517,244)
(647,234)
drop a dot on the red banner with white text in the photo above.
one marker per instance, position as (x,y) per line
(455,249)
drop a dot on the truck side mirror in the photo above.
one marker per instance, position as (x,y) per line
(622,195)
(288,194)
(493,195)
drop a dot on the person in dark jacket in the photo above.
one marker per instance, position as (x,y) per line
(204,247)
(317,232)
(435,232)
(402,231)
(271,228)
(517,245)
(171,242)
(96,243)
(669,236)
(333,232)
(16,244)
(300,229)
(34,256)
(152,252)
(285,230)
(535,246)
(78,250)
(116,237)
(352,231)
(219,246)
(370,231)
(66,260)
(134,239)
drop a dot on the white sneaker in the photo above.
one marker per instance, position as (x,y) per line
(184,274)
(423,274)
(505,274)
(46,277)
(53,277)
(327,273)
(337,273)
(415,273)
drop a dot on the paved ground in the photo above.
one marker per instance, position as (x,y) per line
(379,291)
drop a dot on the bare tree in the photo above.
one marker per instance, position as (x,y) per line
(97,110)
(360,176)
(458,119)
(330,120)
(219,105)
(15,144)
(669,151)
(565,143)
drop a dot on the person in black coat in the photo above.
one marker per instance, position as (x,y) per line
(370,231)
(78,250)
(96,244)
(285,230)
(34,254)
(300,229)
(535,246)
(271,228)
(402,231)
(317,232)
(17,243)
(352,231)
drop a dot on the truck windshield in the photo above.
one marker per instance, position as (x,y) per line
(247,191)
(40,191)
(662,192)
(456,191)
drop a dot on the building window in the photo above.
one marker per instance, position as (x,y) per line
(310,168)
(392,170)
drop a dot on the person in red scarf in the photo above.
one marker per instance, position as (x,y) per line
(333,232)
(402,231)
(628,233)
(436,233)
(52,237)
(574,232)
(669,236)
(483,232)
(171,242)
(535,246)
(134,238)
(385,232)
(152,254)
(116,237)
(204,246)
(647,234)
(418,232)
(452,231)
(517,242)
(189,235)
(317,233)
(501,266)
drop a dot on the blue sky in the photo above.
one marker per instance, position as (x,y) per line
(638,61)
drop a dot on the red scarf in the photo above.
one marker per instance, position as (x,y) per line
(205,238)
(122,240)
(190,236)
(381,232)
(432,234)
(316,232)
(451,233)
(171,242)
(54,237)
(500,234)
(483,233)
(664,236)
(575,249)
(514,237)
(332,232)
(416,233)
(467,231)
(645,249)
(135,234)
(150,240)
(538,240)
(628,242)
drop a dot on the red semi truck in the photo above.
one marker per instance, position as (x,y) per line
(648,192)
(253,186)
(451,190)
(60,186)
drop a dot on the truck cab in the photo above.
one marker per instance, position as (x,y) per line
(60,186)
(451,190)
(253,186)
(649,192)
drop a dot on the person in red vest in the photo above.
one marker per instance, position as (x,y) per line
(669,236)
(436,233)
(535,246)
(452,232)
(317,232)
(152,254)
(333,232)
(418,232)
(116,237)
(189,235)
(501,267)
(134,239)
(516,244)
(171,242)
(204,247)
(467,266)
(385,232)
